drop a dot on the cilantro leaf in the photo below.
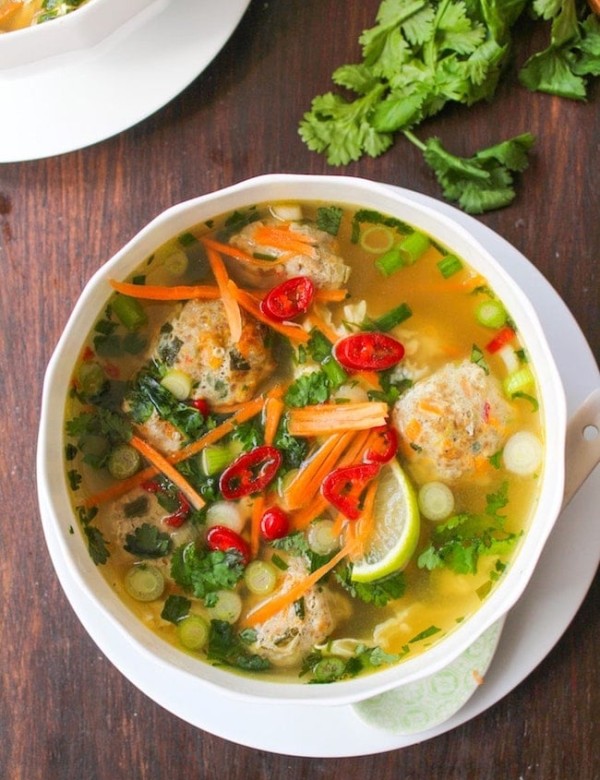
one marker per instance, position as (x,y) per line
(204,572)
(378,592)
(147,541)
(481,182)
(97,546)
(226,646)
(308,389)
(175,608)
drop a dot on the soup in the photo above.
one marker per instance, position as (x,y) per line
(17,14)
(303,441)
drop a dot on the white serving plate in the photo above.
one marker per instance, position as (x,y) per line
(71,101)
(532,628)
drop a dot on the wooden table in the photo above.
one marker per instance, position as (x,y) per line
(65,711)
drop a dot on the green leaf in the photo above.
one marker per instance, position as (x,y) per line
(226,646)
(147,541)
(204,572)
(551,71)
(175,608)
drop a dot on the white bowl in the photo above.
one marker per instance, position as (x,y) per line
(82,28)
(53,492)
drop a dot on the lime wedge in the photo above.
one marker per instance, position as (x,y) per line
(396,528)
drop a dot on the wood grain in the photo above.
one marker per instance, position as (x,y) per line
(66,713)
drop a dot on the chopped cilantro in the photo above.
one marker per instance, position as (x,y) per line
(308,389)
(204,572)
(425,634)
(227,647)
(378,593)
(175,608)
(147,541)
(97,547)
(329,219)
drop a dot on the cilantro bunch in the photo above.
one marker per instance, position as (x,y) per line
(423,54)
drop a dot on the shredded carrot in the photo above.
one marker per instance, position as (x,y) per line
(362,529)
(272,412)
(238,254)
(285,239)
(257,512)
(331,296)
(162,464)
(323,419)
(155,292)
(232,307)
(248,302)
(338,524)
(249,410)
(353,454)
(307,481)
(282,600)
(326,329)
(370,378)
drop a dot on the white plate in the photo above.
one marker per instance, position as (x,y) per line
(77,99)
(531,630)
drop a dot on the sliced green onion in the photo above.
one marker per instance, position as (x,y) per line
(124,461)
(193,632)
(91,379)
(491,313)
(413,247)
(436,501)
(449,265)
(216,457)
(523,453)
(334,372)
(390,262)
(260,577)
(177,263)
(519,381)
(377,239)
(329,669)
(144,582)
(391,318)
(321,537)
(178,383)
(228,606)
(226,513)
(129,311)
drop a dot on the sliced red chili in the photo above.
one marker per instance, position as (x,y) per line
(222,538)
(344,487)
(274,524)
(289,299)
(250,473)
(371,351)
(201,404)
(178,517)
(503,337)
(384,445)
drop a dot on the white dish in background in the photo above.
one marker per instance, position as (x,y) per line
(82,97)
(532,628)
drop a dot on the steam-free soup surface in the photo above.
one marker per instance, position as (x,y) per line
(303,441)
(18,14)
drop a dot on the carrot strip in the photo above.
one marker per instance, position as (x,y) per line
(305,516)
(273,409)
(283,600)
(362,529)
(251,305)
(232,307)
(257,512)
(155,292)
(323,419)
(285,239)
(162,464)
(250,409)
(319,323)
(308,480)
(238,254)
(331,296)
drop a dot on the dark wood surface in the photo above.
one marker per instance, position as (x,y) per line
(65,711)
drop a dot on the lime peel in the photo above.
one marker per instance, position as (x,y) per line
(396,527)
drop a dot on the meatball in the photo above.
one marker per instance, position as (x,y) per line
(288,636)
(198,342)
(450,420)
(320,262)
